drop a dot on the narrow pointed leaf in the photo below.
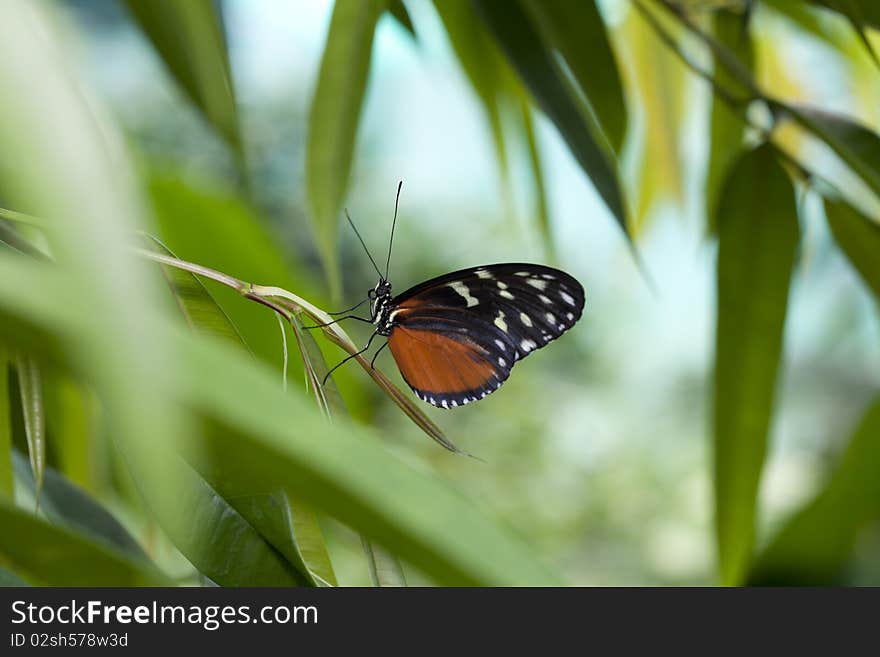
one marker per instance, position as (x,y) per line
(334,118)
(542,212)
(65,503)
(61,557)
(757,236)
(481,62)
(385,569)
(856,144)
(814,546)
(189,38)
(859,239)
(30,383)
(577,32)
(541,75)
(727,129)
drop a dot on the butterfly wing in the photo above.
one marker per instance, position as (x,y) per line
(455,338)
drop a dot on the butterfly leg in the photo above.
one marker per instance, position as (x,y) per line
(376,355)
(348,358)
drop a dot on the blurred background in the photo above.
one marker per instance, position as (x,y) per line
(597,451)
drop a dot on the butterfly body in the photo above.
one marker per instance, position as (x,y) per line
(455,338)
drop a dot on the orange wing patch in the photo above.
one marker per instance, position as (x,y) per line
(441,370)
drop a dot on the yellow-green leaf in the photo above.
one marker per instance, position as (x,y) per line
(757,239)
(859,238)
(334,118)
(813,547)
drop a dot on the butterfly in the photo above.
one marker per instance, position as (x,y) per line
(455,338)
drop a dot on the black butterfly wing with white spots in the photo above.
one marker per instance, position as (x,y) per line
(455,338)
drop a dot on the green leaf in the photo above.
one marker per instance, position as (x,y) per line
(189,38)
(577,32)
(859,238)
(398,10)
(341,468)
(71,421)
(385,569)
(198,307)
(66,504)
(857,146)
(7,483)
(727,128)
(814,546)
(757,236)
(333,120)
(61,557)
(30,383)
(541,75)
(542,213)
(481,62)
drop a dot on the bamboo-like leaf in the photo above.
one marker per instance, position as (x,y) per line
(856,145)
(813,547)
(66,504)
(189,38)
(385,569)
(481,62)
(340,469)
(7,489)
(70,420)
(757,235)
(398,10)
(859,238)
(30,383)
(727,129)
(542,213)
(198,307)
(61,557)
(334,117)
(577,32)
(540,73)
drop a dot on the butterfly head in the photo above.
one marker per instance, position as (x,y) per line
(382,289)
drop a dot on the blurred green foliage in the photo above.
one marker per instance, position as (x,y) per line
(146,436)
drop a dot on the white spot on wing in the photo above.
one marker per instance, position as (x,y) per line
(527,345)
(545,299)
(482,273)
(537,283)
(501,345)
(525,319)
(570,316)
(499,321)
(464,291)
(502,362)
(501,285)
(522,273)
(567,298)
(506,294)
(550,318)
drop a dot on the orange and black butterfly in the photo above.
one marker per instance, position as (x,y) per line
(455,338)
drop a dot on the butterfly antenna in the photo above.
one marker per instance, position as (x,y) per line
(361,239)
(393,224)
